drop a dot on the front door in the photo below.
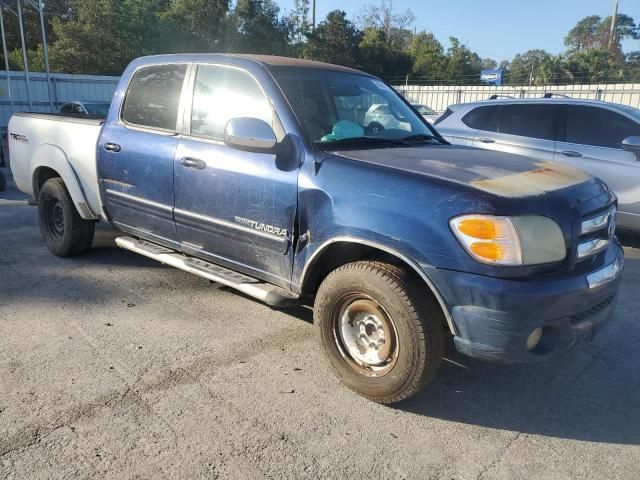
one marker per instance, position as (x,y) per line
(592,141)
(233,207)
(137,153)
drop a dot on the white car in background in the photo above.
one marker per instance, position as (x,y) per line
(379,116)
(429,114)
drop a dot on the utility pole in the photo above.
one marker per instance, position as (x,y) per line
(533,64)
(6,57)
(313,14)
(45,48)
(24,54)
(612,32)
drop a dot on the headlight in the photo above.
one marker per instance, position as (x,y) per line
(525,240)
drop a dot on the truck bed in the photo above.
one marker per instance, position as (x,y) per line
(56,141)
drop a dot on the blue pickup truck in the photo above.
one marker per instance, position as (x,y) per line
(261,173)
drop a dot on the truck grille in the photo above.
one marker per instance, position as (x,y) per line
(596,233)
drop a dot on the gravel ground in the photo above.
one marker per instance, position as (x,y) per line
(113,366)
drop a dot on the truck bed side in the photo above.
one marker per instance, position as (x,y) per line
(45,145)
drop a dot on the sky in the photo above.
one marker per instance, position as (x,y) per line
(495,28)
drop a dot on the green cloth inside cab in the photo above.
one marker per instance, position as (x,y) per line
(344,129)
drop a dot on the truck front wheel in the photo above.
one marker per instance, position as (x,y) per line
(381,331)
(65,233)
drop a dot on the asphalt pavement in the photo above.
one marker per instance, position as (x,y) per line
(114,366)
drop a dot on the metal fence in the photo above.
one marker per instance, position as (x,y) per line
(440,97)
(65,88)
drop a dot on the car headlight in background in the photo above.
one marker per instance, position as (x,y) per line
(519,240)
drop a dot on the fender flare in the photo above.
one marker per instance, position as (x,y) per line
(53,157)
(400,256)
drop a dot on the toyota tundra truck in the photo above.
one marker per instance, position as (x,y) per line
(262,174)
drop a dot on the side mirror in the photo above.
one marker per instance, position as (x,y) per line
(250,134)
(632,144)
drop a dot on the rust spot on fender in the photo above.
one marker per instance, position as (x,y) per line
(548,177)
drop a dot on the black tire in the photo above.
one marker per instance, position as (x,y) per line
(65,233)
(412,348)
(3,182)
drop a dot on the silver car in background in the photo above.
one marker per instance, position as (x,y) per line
(428,113)
(598,137)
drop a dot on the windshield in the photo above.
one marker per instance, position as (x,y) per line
(97,108)
(336,106)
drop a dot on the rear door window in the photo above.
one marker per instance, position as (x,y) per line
(533,121)
(598,127)
(477,117)
(154,96)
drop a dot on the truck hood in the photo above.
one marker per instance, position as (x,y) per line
(498,173)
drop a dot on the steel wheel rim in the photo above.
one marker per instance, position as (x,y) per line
(55,219)
(366,335)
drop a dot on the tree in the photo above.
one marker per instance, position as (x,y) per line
(428,56)
(593,32)
(395,26)
(299,24)
(195,25)
(103,36)
(595,65)
(378,58)
(584,35)
(553,71)
(625,28)
(488,64)
(524,65)
(258,29)
(463,65)
(335,40)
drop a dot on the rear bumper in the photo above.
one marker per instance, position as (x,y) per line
(495,317)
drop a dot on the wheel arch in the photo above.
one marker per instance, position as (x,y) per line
(49,161)
(338,251)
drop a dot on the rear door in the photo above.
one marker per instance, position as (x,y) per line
(137,151)
(233,207)
(592,141)
(523,129)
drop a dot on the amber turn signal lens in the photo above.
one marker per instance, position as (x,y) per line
(490,251)
(480,228)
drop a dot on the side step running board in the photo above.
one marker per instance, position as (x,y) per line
(265,292)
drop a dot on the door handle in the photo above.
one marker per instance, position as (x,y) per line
(487,140)
(571,153)
(193,163)
(112,147)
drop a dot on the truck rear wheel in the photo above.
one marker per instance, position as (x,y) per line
(381,331)
(65,233)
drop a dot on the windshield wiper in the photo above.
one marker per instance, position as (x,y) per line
(362,141)
(421,137)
